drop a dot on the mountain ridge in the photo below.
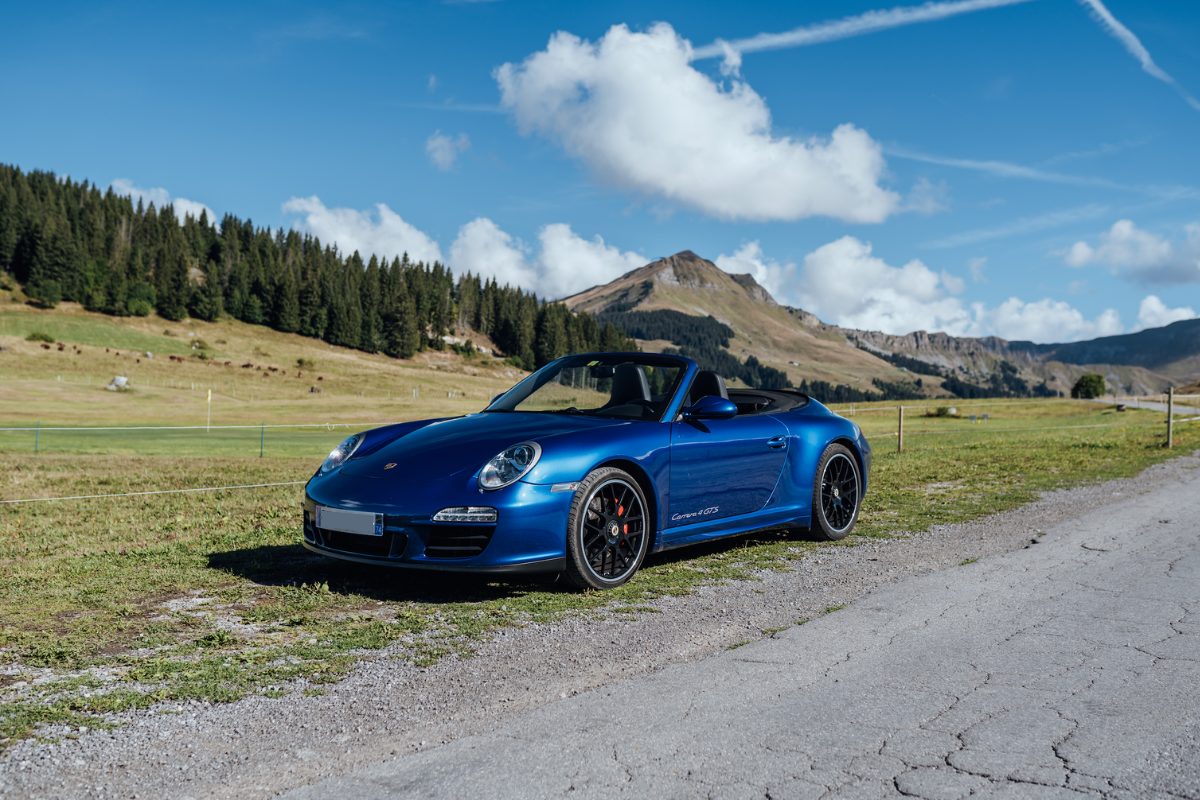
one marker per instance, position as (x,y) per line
(808,348)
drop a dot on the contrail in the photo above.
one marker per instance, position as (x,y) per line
(873,21)
(1135,48)
(869,22)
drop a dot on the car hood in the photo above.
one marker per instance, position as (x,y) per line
(444,448)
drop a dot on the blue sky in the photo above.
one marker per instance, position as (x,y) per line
(1023,169)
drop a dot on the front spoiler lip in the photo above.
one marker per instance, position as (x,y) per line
(544,565)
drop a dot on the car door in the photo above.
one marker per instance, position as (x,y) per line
(724,467)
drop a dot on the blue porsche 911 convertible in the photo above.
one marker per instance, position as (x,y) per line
(583,468)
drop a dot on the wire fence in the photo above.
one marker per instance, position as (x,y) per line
(1136,401)
(159,491)
(262,439)
(326,425)
(992,429)
(978,429)
(242,393)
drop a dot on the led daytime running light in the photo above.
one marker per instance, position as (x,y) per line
(466,514)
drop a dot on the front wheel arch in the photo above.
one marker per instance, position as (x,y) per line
(609,530)
(644,483)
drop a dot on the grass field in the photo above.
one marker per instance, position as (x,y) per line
(117,603)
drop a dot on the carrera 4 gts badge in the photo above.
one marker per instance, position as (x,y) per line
(388,466)
(703,513)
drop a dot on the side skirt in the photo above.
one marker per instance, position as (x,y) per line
(683,535)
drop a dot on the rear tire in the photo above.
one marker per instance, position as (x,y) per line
(837,494)
(608,530)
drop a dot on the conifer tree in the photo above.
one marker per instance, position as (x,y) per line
(206,302)
(287,307)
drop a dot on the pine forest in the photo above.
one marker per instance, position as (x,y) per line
(71,241)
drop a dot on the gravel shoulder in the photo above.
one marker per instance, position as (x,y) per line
(259,746)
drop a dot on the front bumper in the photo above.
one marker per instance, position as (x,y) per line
(529,534)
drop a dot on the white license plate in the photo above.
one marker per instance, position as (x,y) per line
(363,523)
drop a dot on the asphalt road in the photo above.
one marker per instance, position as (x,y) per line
(1068,667)
(1182,406)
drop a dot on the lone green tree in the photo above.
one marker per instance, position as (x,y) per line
(1088,387)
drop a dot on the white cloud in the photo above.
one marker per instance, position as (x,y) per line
(433,83)
(566,264)
(1045,321)
(569,263)
(1153,313)
(953,283)
(484,249)
(1135,48)
(632,108)
(844,28)
(776,278)
(731,62)
(927,198)
(383,234)
(161,197)
(843,283)
(443,150)
(978,269)
(1141,256)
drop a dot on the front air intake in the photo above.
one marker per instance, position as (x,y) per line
(457,541)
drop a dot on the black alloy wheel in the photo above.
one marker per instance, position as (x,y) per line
(608,530)
(837,493)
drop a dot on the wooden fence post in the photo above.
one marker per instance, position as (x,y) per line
(900,432)
(1170,417)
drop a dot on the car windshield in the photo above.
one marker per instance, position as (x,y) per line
(625,385)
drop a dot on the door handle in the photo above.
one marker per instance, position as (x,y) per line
(777,442)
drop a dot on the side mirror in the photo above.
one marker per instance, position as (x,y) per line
(497,397)
(711,407)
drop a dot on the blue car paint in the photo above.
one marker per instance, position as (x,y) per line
(724,467)
(444,457)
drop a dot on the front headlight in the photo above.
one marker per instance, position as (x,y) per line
(510,466)
(341,453)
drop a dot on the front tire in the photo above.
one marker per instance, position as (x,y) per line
(608,530)
(837,493)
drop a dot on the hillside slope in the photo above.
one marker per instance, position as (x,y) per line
(772,333)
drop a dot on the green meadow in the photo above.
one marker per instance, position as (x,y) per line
(113,603)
